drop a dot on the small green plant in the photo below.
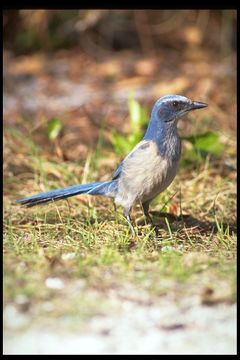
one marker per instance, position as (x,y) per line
(138,115)
(54,128)
(203,145)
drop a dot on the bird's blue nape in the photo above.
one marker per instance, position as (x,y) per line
(159,133)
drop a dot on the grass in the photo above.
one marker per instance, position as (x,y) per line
(89,246)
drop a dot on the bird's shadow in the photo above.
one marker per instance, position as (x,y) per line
(162,220)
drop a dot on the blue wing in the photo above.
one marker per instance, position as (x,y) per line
(118,171)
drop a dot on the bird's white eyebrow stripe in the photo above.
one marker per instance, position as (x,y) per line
(171,99)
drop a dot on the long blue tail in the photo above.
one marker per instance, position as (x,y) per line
(107,188)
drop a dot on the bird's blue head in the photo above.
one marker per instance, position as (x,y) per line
(165,114)
(169,108)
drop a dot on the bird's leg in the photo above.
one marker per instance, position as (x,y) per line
(114,206)
(148,217)
(146,212)
(127,216)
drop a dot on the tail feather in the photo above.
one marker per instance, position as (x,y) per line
(98,188)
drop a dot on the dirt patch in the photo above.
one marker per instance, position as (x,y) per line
(130,326)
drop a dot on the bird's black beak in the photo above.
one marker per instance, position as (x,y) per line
(198,105)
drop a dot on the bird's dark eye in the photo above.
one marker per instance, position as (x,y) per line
(175,104)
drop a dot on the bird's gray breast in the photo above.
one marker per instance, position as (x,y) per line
(145,173)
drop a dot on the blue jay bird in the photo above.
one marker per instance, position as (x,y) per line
(144,173)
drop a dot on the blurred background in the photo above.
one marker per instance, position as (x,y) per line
(101,32)
(67,63)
